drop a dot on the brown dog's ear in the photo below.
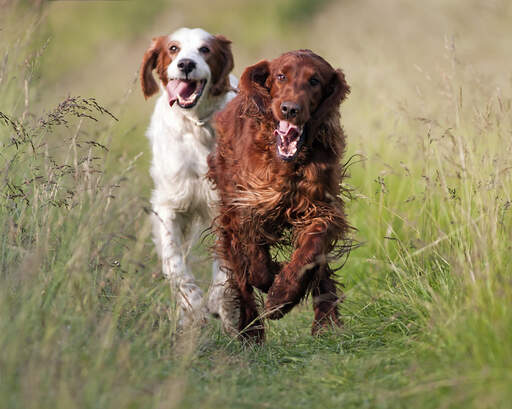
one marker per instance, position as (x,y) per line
(222,65)
(147,81)
(335,92)
(253,84)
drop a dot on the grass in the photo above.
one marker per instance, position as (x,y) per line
(87,320)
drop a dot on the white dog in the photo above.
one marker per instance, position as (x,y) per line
(194,68)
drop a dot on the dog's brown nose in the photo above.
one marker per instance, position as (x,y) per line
(290,109)
(186,65)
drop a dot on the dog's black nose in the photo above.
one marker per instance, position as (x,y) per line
(290,109)
(186,65)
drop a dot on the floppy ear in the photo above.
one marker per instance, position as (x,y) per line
(147,81)
(224,65)
(253,84)
(335,92)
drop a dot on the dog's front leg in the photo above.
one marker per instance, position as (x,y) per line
(294,280)
(242,317)
(262,269)
(189,296)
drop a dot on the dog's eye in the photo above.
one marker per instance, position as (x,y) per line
(281,77)
(314,82)
(204,50)
(173,48)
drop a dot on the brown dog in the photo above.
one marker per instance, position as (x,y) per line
(277,169)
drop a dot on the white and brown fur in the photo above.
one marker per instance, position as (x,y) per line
(181,139)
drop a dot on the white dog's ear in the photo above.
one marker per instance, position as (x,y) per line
(149,62)
(221,65)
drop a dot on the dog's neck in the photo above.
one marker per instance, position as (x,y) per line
(203,112)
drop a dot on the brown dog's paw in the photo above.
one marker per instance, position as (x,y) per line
(282,297)
(326,322)
(254,332)
(275,312)
(239,320)
(250,327)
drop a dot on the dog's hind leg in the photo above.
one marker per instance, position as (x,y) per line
(325,302)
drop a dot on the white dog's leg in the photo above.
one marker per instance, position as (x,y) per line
(215,294)
(174,266)
(222,301)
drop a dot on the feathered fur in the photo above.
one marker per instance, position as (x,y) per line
(267,201)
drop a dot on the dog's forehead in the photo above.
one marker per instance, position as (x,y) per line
(190,37)
(301,64)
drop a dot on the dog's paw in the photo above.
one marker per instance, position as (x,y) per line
(253,333)
(192,318)
(326,320)
(325,325)
(228,309)
(282,297)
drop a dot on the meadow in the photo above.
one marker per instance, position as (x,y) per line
(86,319)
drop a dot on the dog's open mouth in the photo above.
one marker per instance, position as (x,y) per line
(185,92)
(290,138)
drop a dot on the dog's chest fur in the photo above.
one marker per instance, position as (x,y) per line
(180,147)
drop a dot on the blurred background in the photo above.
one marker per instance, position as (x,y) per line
(388,50)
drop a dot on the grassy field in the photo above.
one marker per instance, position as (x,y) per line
(86,320)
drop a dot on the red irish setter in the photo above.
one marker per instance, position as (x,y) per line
(277,169)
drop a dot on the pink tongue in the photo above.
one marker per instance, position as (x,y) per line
(284,127)
(286,130)
(180,88)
